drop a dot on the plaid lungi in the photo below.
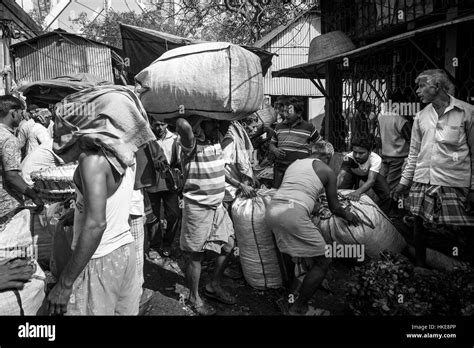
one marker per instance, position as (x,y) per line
(138,233)
(440,205)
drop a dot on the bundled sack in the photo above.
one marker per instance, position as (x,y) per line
(16,241)
(27,301)
(376,233)
(16,237)
(52,91)
(257,249)
(109,117)
(218,80)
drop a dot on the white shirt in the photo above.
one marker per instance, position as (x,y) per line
(137,206)
(117,233)
(24,129)
(169,144)
(38,135)
(373,163)
(41,157)
(442,147)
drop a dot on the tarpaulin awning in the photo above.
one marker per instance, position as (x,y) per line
(316,69)
(143,46)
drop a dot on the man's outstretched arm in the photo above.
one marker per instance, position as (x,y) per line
(93,170)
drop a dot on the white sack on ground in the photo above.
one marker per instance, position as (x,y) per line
(257,249)
(377,232)
(217,80)
(16,240)
(26,301)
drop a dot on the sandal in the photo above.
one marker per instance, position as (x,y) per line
(154,255)
(165,251)
(205,309)
(223,297)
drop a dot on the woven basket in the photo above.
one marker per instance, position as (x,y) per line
(329,45)
(53,187)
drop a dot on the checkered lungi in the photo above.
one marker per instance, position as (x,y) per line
(138,233)
(440,205)
(150,217)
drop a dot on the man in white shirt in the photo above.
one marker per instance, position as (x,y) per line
(39,158)
(440,163)
(363,164)
(35,132)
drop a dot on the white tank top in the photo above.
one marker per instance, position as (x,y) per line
(301,184)
(117,211)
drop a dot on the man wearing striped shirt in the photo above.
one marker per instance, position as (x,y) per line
(291,138)
(206,225)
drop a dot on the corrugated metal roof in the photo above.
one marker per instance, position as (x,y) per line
(61,33)
(292,45)
(48,58)
(271,35)
(316,66)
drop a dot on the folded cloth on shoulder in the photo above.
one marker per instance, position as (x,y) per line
(109,117)
(242,148)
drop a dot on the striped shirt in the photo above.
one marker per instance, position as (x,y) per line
(293,139)
(203,169)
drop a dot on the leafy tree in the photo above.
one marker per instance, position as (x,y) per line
(39,13)
(237,21)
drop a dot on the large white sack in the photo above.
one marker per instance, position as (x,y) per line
(31,234)
(377,232)
(16,240)
(217,80)
(257,250)
(26,301)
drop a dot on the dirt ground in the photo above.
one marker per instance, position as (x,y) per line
(165,277)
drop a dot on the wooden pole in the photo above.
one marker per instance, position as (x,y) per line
(7,64)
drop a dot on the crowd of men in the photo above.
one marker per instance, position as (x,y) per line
(199,170)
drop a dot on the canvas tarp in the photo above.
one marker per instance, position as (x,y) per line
(143,46)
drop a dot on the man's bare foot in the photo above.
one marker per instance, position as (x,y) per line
(200,307)
(216,292)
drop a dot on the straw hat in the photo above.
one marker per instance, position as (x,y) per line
(328,45)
